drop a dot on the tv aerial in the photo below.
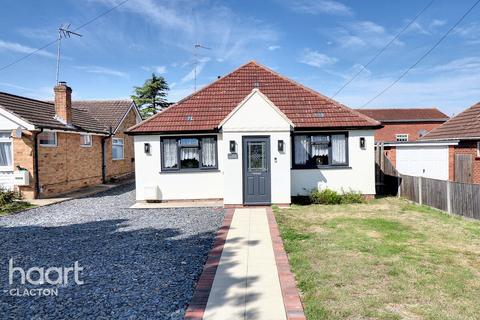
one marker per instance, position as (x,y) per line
(63,33)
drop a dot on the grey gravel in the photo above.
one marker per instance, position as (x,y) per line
(139,263)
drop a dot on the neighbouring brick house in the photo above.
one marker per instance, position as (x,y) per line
(405,124)
(64,145)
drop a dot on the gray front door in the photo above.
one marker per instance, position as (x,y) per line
(256,170)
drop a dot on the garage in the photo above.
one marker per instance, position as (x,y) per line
(422,159)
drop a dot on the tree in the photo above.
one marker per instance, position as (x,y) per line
(151,97)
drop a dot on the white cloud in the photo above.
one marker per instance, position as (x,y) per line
(361,34)
(470,32)
(183,23)
(191,75)
(316,59)
(38,34)
(20,48)
(437,23)
(41,93)
(451,86)
(103,71)
(273,47)
(320,7)
(467,64)
(157,69)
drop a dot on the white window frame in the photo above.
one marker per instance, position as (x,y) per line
(401,137)
(49,144)
(86,145)
(478,149)
(117,144)
(9,139)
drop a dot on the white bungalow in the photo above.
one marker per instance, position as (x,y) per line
(253,137)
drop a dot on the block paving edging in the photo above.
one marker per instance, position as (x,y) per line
(198,304)
(291,297)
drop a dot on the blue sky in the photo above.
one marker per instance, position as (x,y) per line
(318,43)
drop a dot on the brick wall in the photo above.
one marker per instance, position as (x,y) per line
(388,132)
(23,150)
(465,147)
(118,168)
(69,166)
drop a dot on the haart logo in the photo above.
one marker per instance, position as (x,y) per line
(38,276)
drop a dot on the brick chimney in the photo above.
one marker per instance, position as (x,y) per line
(63,102)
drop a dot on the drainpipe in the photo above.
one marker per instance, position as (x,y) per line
(104,156)
(35,163)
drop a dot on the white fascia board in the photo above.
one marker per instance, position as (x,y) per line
(14,118)
(421,144)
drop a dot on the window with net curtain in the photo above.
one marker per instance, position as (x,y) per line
(5,151)
(189,153)
(313,151)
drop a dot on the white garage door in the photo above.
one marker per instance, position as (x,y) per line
(424,161)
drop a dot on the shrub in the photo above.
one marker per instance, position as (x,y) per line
(8,197)
(352,197)
(328,196)
(325,196)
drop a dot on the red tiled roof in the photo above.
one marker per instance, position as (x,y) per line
(205,109)
(405,115)
(465,125)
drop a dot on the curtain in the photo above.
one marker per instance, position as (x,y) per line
(189,153)
(339,149)
(170,153)
(320,146)
(208,152)
(5,154)
(301,149)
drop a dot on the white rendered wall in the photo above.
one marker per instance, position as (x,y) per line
(360,176)
(173,186)
(257,117)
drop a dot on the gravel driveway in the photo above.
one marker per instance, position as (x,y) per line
(137,263)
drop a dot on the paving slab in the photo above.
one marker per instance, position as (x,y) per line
(246,283)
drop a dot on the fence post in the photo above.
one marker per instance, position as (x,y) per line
(420,200)
(449,200)
(399,185)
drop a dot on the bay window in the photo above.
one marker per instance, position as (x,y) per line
(319,150)
(189,153)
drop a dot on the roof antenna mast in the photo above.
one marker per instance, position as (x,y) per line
(63,32)
(196,47)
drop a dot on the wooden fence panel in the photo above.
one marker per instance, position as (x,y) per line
(409,187)
(465,199)
(434,193)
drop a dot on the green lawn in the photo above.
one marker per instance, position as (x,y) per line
(388,259)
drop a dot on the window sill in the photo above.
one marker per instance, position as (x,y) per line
(118,159)
(189,171)
(324,168)
(48,145)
